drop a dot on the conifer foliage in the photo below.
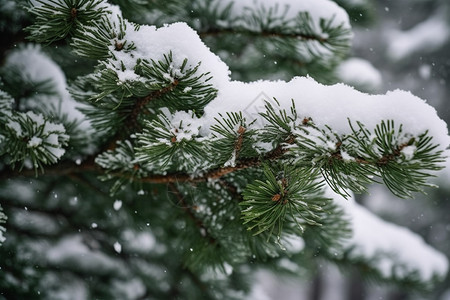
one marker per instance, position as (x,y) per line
(153,175)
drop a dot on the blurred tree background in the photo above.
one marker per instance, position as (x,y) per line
(409,43)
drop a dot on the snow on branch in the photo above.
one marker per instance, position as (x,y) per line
(331,105)
(277,13)
(34,67)
(294,34)
(33,141)
(394,251)
(44,92)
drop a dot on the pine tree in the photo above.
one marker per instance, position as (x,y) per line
(153,175)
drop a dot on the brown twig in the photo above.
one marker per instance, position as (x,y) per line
(385,159)
(218,172)
(240,140)
(68,168)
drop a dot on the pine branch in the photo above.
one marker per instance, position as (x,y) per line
(140,106)
(284,195)
(217,172)
(217,32)
(55,20)
(67,168)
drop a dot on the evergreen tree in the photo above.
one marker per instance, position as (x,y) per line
(153,175)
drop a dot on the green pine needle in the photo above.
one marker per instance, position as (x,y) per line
(286,194)
(57,19)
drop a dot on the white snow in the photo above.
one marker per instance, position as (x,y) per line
(184,130)
(34,142)
(132,288)
(56,151)
(68,287)
(360,73)
(34,222)
(72,249)
(37,66)
(425,71)
(289,265)
(117,247)
(389,248)
(75,290)
(139,241)
(346,157)
(408,152)
(227,268)
(213,273)
(117,204)
(15,126)
(426,36)
(268,285)
(39,120)
(21,191)
(292,243)
(258,292)
(232,161)
(334,283)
